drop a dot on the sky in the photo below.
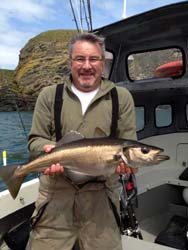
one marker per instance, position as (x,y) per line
(21,20)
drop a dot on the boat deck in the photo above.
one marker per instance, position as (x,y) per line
(151,226)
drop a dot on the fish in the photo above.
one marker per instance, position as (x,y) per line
(85,156)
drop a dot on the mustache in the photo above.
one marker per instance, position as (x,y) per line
(85,71)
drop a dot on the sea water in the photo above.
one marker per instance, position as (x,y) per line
(14,130)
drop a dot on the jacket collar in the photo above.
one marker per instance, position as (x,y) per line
(105,87)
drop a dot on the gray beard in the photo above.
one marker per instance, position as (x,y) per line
(85,85)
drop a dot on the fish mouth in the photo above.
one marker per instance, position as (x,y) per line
(162,157)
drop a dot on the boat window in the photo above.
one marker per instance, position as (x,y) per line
(163,115)
(108,64)
(156,64)
(140,121)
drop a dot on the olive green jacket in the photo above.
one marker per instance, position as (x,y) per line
(97,115)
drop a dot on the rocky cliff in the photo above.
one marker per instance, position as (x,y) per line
(7,89)
(43,61)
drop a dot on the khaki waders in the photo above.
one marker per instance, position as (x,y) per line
(70,213)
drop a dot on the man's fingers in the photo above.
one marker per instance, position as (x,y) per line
(47,148)
(54,169)
(122,168)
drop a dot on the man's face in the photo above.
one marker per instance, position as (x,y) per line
(86,65)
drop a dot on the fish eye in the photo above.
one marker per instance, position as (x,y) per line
(145,150)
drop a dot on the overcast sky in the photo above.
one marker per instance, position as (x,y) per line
(21,20)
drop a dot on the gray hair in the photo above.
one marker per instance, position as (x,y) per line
(89,37)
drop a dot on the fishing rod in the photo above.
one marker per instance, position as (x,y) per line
(21,120)
(14,101)
(128,221)
(4,152)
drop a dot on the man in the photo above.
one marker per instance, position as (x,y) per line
(71,207)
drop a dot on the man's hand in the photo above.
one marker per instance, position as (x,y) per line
(54,169)
(122,168)
(48,147)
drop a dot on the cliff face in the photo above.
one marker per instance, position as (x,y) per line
(43,61)
(7,89)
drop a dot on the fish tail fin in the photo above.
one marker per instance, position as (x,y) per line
(13,182)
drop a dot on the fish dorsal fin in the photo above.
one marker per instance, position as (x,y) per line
(99,132)
(70,137)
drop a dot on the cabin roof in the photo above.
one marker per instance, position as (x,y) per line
(167,21)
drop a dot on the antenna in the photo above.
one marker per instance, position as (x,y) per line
(85,13)
(74,15)
(79,17)
(81,11)
(124,9)
(89,12)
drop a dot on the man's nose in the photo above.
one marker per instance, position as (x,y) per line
(87,63)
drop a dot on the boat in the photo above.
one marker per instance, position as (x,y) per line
(137,48)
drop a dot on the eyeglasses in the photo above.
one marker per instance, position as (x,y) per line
(92,60)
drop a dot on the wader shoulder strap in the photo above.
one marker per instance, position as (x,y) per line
(59,103)
(57,110)
(115,112)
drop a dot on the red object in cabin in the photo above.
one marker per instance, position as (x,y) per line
(171,69)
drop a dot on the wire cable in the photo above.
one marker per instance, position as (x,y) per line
(74,16)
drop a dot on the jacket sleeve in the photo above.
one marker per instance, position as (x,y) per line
(127,120)
(42,125)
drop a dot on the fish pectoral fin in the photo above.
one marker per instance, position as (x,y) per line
(13,182)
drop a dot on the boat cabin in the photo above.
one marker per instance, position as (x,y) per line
(148,55)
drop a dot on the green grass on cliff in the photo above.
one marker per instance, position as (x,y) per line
(54,35)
